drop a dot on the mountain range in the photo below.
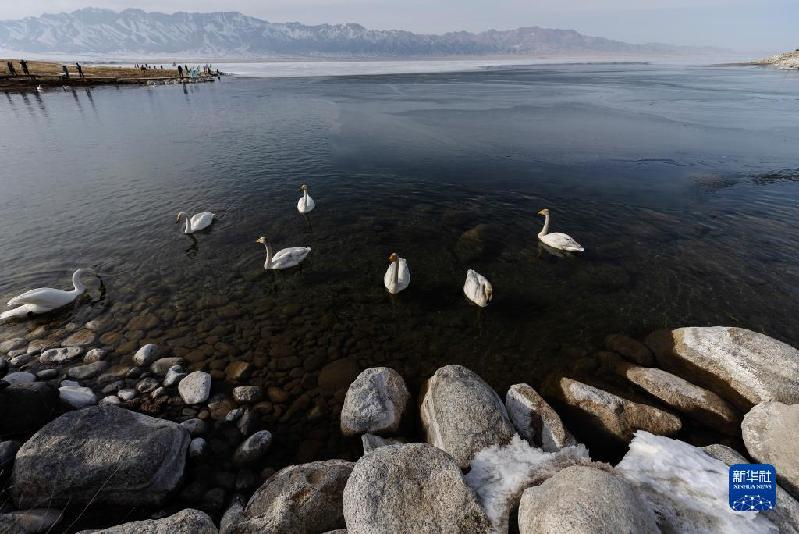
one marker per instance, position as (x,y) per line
(134,32)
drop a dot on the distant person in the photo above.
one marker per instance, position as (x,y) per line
(24,65)
(11,70)
(66,72)
(180,72)
(80,70)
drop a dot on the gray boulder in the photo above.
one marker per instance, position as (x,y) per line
(77,396)
(535,420)
(301,499)
(771,435)
(585,500)
(145,355)
(411,489)
(102,454)
(462,415)
(785,515)
(615,416)
(60,355)
(375,402)
(89,370)
(25,408)
(187,521)
(744,366)
(195,387)
(20,377)
(253,448)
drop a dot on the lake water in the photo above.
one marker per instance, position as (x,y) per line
(681,182)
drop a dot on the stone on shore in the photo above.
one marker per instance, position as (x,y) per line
(89,370)
(685,397)
(585,500)
(743,366)
(195,387)
(462,415)
(77,396)
(102,454)
(535,420)
(409,489)
(247,393)
(12,344)
(301,499)
(375,402)
(188,521)
(632,350)
(60,355)
(617,417)
(145,355)
(162,365)
(685,487)
(20,377)
(771,435)
(253,448)
(25,408)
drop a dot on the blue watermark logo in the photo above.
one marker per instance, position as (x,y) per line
(753,487)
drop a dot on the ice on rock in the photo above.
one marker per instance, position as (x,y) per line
(500,474)
(686,487)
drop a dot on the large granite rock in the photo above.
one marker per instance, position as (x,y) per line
(103,455)
(585,500)
(771,435)
(375,402)
(25,408)
(699,403)
(785,515)
(187,521)
(410,489)
(685,487)
(301,499)
(535,420)
(617,417)
(462,415)
(743,366)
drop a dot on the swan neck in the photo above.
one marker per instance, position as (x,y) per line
(396,273)
(187,227)
(79,287)
(545,229)
(268,263)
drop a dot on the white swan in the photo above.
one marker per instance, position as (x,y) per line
(397,275)
(557,241)
(283,259)
(199,221)
(305,204)
(477,288)
(45,299)
(39,88)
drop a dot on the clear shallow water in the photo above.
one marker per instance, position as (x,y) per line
(682,183)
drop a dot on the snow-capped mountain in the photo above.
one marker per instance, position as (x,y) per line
(230,34)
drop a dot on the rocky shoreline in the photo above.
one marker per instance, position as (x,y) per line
(611,441)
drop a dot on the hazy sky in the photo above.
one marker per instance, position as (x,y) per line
(738,24)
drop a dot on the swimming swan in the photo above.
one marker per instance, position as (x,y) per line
(305,204)
(199,221)
(283,259)
(397,275)
(45,299)
(557,241)
(477,288)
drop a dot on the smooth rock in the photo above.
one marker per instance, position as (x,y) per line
(47,374)
(253,448)
(535,420)
(247,393)
(375,402)
(174,375)
(38,520)
(76,396)
(301,499)
(785,515)
(685,487)
(22,359)
(102,455)
(146,355)
(60,355)
(195,387)
(89,370)
(585,500)
(20,377)
(462,415)
(95,355)
(743,366)
(237,371)
(410,489)
(198,448)
(188,521)
(26,408)
(162,365)
(110,399)
(126,394)
(771,435)
(338,374)
(12,344)
(614,415)
(632,350)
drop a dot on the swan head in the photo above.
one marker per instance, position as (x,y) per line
(544,212)
(304,188)
(261,240)
(181,214)
(393,257)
